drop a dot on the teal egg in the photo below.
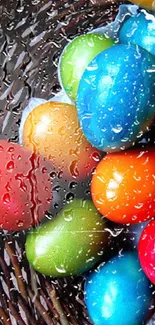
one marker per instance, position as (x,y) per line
(118,292)
(140,30)
(116,97)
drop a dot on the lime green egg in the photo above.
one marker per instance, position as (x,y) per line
(76,57)
(71,243)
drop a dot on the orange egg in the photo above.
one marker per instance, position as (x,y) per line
(123,186)
(52,129)
(147,4)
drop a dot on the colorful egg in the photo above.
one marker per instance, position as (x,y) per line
(69,244)
(53,131)
(116,97)
(25,187)
(147,4)
(118,292)
(123,186)
(75,58)
(146,249)
(140,30)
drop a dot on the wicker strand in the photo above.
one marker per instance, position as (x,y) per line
(18,274)
(4,317)
(15,313)
(49,304)
(40,308)
(25,308)
(56,304)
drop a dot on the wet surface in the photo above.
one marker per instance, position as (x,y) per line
(32,36)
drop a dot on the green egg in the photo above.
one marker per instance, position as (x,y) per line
(76,57)
(71,243)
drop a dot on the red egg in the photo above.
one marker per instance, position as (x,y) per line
(25,187)
(146,250)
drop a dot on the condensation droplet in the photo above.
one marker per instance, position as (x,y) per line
(6,198)
(10,166)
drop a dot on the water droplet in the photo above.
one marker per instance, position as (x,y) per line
(6,198)
(20,223)
(56,188)
(10,166)
(74,169)
(44,170)
(69,197)
(139,205)
(11,149)
(61,269)
(72,185)
(56,205)
(53,175)
(96,156)
(60,174)
(68,217)
(114,232)
(117,129)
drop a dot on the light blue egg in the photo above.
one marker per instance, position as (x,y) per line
(118,293)
(116,97)
(140,30)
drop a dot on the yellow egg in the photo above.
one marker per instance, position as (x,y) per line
(52,129)
(147,4)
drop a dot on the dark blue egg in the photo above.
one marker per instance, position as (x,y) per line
(139,30)
(118,293)
(116,97)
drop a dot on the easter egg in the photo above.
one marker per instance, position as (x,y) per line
(52,130)
(146,250)
(69,244)
(123,186)
(25,187)
(147,4)
(118,292)
(140,30)
(116,97)
(75,58)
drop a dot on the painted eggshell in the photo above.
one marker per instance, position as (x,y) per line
(146,4)
(146,249)
(69,244)
(25,187)
(140,30)
(123,186)
(116,97)
(118,292)
(52,130)
(75,58)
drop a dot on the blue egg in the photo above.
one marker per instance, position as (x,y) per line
(118,293)
(139,30)
(116,97)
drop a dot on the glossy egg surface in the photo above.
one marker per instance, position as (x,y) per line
(146,250)
(53,130)
(25,187)
(69,244)
(118,292)
(75,58)
(146,4)
(116,97)
(123,186)
(140,30)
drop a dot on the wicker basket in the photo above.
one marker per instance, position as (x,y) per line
(32,36)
